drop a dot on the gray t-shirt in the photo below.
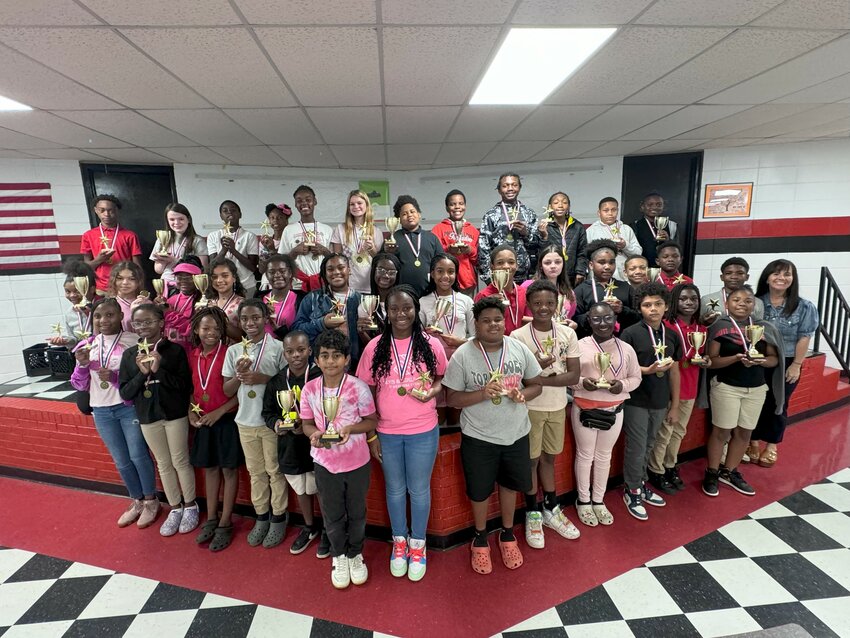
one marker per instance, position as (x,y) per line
(504,423)
(250,412)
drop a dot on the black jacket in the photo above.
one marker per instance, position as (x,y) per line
(170,386)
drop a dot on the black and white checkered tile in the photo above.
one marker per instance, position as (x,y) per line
(46,387)
(787,563)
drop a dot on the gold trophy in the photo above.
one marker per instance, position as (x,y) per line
(82,286)
(422,385)
(661,224)
(369,303)
(57,328)
(392,226)
(549,215)
(441,309)
(513,216)
(500,281)
(330,407)
(266,227)
(202,282)
(660,349)
(610,287)
(310,238)
(457,227)
(713,305)
(754,334)
(560,315)
(696,339)
(162,237)
(286,401)
(227,230)
(158,286)
(145,349)
(246,347)
(653,273)
(602,360)
(497,376)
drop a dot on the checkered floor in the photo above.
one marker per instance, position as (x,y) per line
(45,387)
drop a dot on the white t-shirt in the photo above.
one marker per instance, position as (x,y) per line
(293,235)
(246,243)
(460,319)
(269,351)
(600,230)
(177,250)
(565,347)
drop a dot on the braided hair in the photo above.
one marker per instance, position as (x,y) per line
(421,351)
(217,315)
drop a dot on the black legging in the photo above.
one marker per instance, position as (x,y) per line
(771,426)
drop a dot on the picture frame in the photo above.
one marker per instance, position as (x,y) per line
(727,201)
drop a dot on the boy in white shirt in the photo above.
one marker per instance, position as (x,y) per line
(609,227)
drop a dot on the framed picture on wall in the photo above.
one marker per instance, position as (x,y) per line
(727,201)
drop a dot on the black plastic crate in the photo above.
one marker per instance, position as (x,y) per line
(35,360)
(61,362)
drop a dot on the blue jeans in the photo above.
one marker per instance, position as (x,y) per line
(119,428)
(408,460)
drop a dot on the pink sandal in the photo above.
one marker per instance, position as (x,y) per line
(481,563)
(511,556)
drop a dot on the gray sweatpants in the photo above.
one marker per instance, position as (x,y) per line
(641,426)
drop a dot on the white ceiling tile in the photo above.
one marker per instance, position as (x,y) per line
(224,65)
(512,152)
(445,12)
(48,126)
(829,91)
(67,154)
(742,55)
(45,12)
(448,63)
(673,146)
(164,12)
(360,155)
(457,154)
(400,154)
(563,150)
(617,147)
(732,142)
(620,120)
(716,12)
(128,126)
(14,140)
(553,122)
(307,155)
(605,79)
(276,126)
(823,14)
(308,11)
(192,155)
(355,125)
(332,66)
(824,63)
(250,155)
(132,155)
(9,154)
(834,128)
(210,127)
(743,120)
(577,12)
(128,77)
(686,119)
(487,123)
(419,124)
(798,122)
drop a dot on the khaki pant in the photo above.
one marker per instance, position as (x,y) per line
(260,447)
(169,442)
(666,449)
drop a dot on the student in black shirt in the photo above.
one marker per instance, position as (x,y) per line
(415,248)
(602,256)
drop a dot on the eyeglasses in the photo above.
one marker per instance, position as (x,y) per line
(143,324)
(384,272)
(598,321)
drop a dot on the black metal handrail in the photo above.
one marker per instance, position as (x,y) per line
(834,318)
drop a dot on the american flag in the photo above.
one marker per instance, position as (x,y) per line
(28,237)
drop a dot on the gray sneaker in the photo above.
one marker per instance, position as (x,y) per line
(190,519)
(172,522)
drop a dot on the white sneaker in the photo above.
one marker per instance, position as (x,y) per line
(357,570)
(602,514)
(340,575)
(398,558)
(534,530)
(172,522)
(560,523)
(416,560)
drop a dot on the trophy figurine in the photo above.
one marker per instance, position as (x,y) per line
(369,303)
(457,227)
(266,227)
(82,286)
(602,360)
(500,281)
(286,401)
(202,282)
(422,385)
(145,349)
(497,376)
(441,309)
(513,217)
(754,333)
(661,224)
(196,408)
(560,315)
(246,350)
(610,287)
(158,286)
(696,339)
(57,328)
(330,407)
(713,305)
(392,226)
(162,236)
(310,238)
(660,349)
(227,230)
(548,215)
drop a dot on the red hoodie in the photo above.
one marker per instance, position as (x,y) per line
(445,234)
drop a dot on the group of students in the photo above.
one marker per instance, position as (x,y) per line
(376,381)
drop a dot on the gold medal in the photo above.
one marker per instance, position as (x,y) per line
(315,257)
(252,394)
(496,400)
(417,263)
(359,259)
(686,364)
(510,237)
(205,397)
(104,384)
(401,391)
(147,394)
(660,375)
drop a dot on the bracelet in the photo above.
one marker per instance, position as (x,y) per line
(371,438)
(795,363)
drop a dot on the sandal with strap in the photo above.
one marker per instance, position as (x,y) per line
(768,458)
(511,556)
(480,556)
(221,540)
(753,453)
(207,531)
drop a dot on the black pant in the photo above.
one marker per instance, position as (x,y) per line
(771,426)
(343,500)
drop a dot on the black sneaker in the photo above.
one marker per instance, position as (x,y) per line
(672,475)
(660,482)
(324,548)
(304,538)
(709,482)
(733,479)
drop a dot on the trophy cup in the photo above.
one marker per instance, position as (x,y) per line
(441,309)
(202,282)
(653,273)
(696,339)
(286,401)
(330,407)
(602,360)
(422,385)
(500,282)
(369,303)
(661,224)
(610,287)
(754,333)
(162,237)
(392,226)
(158,287)
(145,349)
(457,226)
(82,286)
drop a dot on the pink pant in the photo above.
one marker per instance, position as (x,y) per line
(593,448)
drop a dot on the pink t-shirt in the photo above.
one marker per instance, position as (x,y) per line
(106,352)
(402,414)
(281,313)
(355,402)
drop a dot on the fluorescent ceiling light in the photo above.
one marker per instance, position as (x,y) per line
(531,63)
(10,105)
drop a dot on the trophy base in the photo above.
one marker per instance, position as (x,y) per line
(506,303)
(331,437)
(421,394)
(603,384)
(754,355)
(436,329)
(609,299)
(202,303)
(148,359)
(372,326)
(458,245)
(286,426)
(697,360)
(665,361)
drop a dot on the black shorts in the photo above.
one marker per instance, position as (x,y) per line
(487,463)
(217,445)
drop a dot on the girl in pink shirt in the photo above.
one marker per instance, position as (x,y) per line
(127,284)
(226,292)
(550,267)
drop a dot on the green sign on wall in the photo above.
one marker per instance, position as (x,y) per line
(378,191)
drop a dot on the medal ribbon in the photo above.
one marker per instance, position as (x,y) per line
(279,306)
(104,361)
(177,252)
(418,248)
(691,351)
(563,236)
(654,342)
(297,402)
(615,236)
(186,305)
(513,312)
(85,323)
(260,356)
(613,368)
(747,345)
(501,367)
(450,325)
(114,237)
(206,382)
(402,368)
(538,344)
(651,228)
(315,231)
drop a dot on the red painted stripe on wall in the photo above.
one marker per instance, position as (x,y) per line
(795,227)
(25,199)
(10,186)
